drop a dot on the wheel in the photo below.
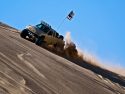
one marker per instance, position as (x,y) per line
(39,41)
(24,33)
(55,45)
(61,37)
(59,48)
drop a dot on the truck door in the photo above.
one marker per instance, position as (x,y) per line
(54,39)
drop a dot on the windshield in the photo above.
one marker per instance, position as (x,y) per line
(39,26)
(43,27)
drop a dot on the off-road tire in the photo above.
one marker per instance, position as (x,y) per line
(24,33)
(39,41)
(55,45)
(61,37)
(60,48)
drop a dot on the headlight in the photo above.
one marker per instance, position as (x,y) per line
(30,28)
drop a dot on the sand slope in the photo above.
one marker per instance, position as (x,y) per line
(26,68)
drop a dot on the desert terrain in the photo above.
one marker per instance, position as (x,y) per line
(26,68)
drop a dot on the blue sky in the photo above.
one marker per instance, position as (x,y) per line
(98,25)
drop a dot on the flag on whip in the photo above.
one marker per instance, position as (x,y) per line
(70,15)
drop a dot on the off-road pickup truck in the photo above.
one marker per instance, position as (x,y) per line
(43,33)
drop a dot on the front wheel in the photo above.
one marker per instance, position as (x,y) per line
(39,41)
(24,33)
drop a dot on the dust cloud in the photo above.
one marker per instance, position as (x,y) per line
(71,51)
(97,61)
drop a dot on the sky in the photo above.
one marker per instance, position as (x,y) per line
(97,27)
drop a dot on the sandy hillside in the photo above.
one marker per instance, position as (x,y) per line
(26,68)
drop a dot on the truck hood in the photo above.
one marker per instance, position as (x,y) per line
(35,30)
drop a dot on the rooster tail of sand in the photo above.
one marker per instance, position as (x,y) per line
(71,51)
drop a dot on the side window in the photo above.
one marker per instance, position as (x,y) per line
(57,35)
(46,29)
(50,33)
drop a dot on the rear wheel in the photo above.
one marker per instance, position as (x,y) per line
(55,45)
(24,33)
(39,41)
(61,37)
(59,48)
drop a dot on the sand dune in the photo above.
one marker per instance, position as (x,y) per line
(26,68)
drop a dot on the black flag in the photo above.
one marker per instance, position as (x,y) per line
(70,16)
